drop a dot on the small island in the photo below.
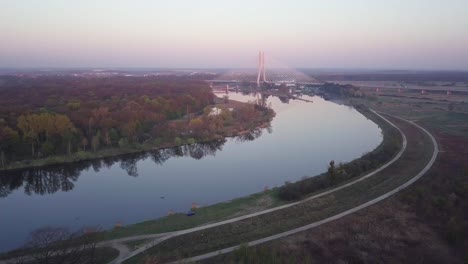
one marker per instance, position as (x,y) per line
(48,120)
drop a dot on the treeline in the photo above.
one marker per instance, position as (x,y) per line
(399,76)
(66,116)
(47,115)
(343,172)
(346,90)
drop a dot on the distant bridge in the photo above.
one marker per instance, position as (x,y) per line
(265,75)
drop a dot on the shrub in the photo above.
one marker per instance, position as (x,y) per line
(123,142)
(178,141)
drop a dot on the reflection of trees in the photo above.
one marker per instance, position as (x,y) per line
(130,165)
(40,181)
(160,156)
(269,129)
(51,179)
(284,99)
(7,185)
(251,135)
(198,151)
(46,182)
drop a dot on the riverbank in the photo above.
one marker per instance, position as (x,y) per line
(427,221)
(231,209)
(412,161)
(244,205)
(234,129)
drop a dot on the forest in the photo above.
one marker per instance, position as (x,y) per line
(56,116)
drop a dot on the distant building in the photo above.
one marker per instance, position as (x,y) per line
(215,111)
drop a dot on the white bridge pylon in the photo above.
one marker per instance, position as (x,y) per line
(261,68)
(278,74)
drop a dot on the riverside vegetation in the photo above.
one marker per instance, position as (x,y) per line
(55,119)
(385,151)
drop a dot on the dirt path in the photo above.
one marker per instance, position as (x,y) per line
(125,253)
(271,210)
(335,217)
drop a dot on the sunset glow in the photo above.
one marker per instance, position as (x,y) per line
(207,33)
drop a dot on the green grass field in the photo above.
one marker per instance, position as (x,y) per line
(204,215)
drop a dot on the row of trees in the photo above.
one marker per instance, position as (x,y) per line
(39,129)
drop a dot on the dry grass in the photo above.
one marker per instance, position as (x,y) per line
(416,156)
(426,223)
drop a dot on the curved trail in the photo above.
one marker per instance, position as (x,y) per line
(335,217)
(125,253)
(236,219)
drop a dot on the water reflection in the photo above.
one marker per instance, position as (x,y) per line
(51,179)
(306,137)
(252,135)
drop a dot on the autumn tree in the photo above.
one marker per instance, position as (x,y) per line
(95,141)
(64,127)
(196,126)
(56,113)
(226,116)
(37,128)
(101,119)
(28,126)
(8,137)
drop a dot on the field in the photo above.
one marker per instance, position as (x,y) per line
(426,223)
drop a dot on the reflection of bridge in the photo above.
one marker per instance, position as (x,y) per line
(266,76)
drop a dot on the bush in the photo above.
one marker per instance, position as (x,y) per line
(123,142)
(48,149)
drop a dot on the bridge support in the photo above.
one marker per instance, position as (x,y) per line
(261,68)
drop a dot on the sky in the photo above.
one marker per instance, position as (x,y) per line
(370,34)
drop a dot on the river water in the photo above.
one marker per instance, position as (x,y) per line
(301,141)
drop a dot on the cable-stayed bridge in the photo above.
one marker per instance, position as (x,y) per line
(267,74)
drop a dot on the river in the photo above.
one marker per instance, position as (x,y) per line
(301,141)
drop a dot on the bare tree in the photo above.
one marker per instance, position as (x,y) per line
(54,245)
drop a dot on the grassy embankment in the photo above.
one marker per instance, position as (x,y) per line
(255,202)
(239,206)
(412,161)
(425,223)
(204,215)
(102,255)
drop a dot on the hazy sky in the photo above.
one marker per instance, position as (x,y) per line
(427,34)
